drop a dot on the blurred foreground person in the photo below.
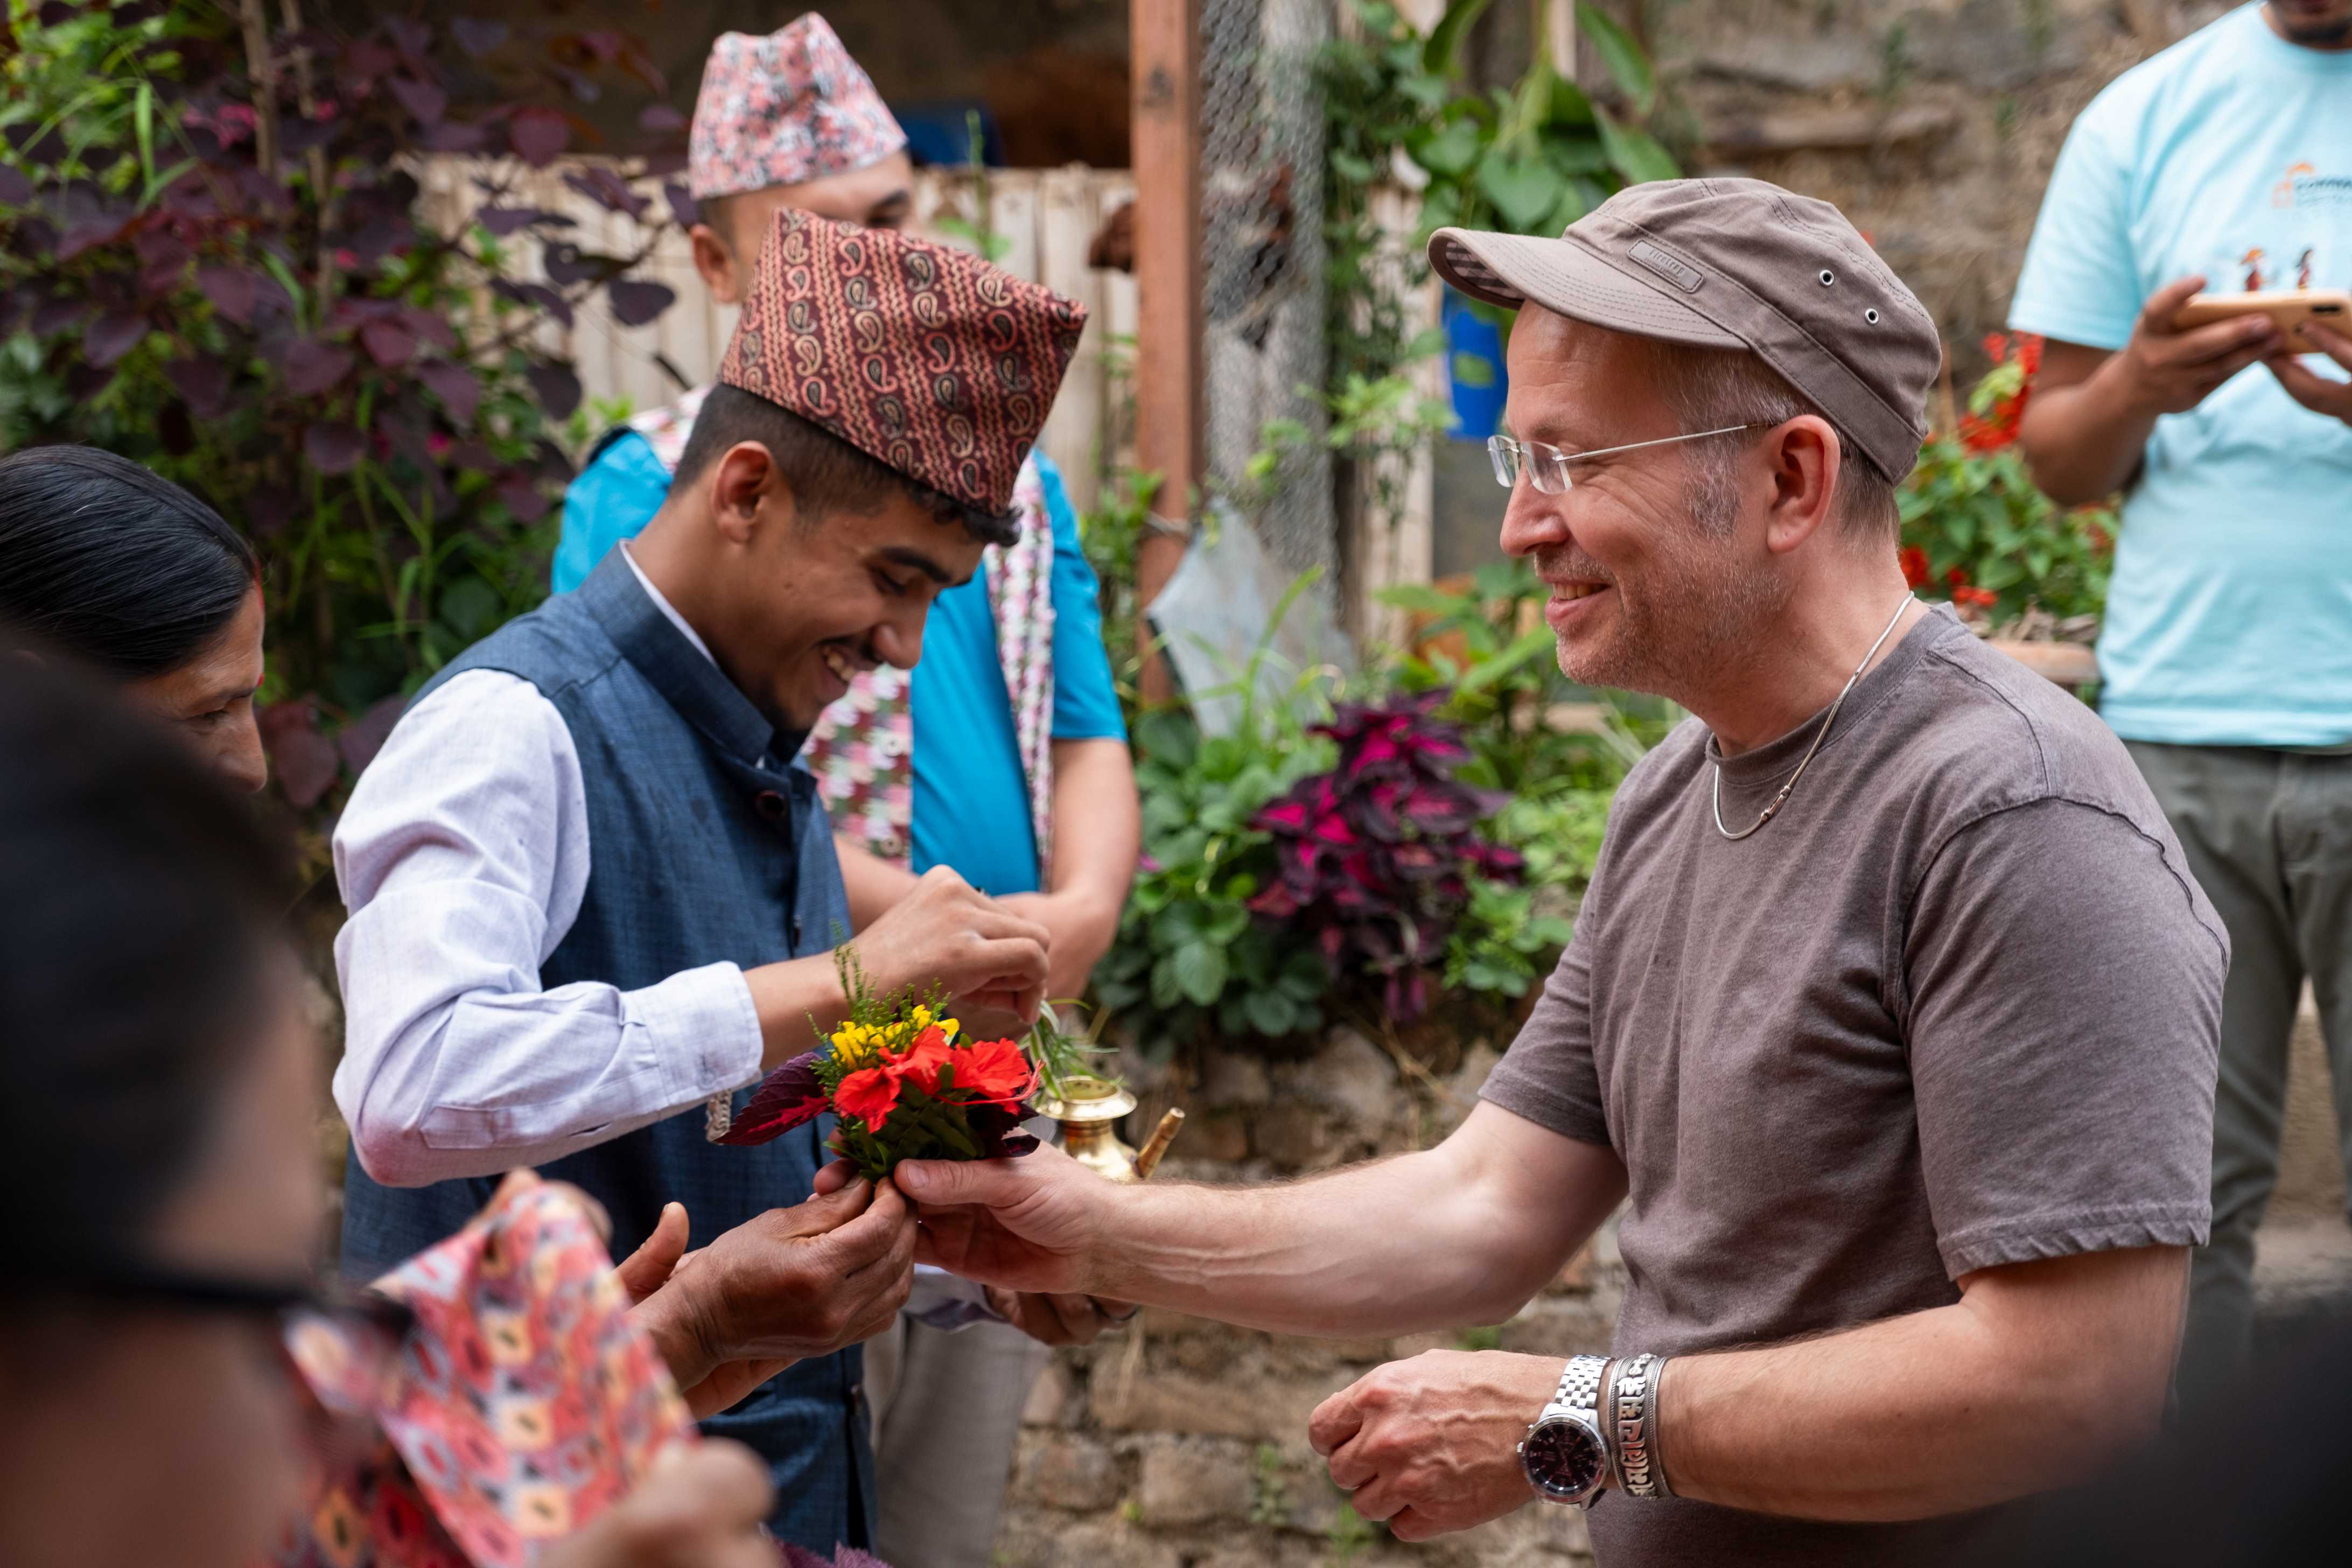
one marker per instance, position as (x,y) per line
(160,1200)
(125,570)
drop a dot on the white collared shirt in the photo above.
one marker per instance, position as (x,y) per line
(463,857)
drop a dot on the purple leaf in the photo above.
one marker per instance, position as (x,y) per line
(660,116)
(455,386)
(410,37)
(583,87)
(432,328)
(540,134)
(389,343)
(333,447)
(303,758)
(56,313)
(636,303)
(682,205)
(203,381)
(504,221)
(604,45)
(421,98)
(557,388)
(455,136)
(537,294)
(364,736)
(312,368)
(232,291)
(15,190)
(111,336)
(525,498)
(607,190)
(477,36)
(268,509)
(567,265)
(88,235)
(789,1097)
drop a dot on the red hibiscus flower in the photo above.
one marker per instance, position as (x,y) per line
(1915,565)
(870,1095)
(999,1072)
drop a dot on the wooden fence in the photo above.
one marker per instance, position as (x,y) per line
(1045,216)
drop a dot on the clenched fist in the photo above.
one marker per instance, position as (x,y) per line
(981,952)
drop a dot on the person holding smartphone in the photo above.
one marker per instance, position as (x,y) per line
(2225,660)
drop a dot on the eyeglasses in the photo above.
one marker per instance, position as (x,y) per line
(343,1340)
(1546,466)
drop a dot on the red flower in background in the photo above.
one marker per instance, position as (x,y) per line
(1915,565)
(1984,598)
(1998,426)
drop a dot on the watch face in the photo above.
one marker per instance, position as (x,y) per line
(1564,1458)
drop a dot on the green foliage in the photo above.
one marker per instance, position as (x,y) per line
(1489,1338)
(1189,955)
(214,259)
(980,232)
(1980,513)
(1110,535)
(1348,1534)
(1269,1489)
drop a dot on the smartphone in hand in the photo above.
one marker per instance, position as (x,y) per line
(2289,308)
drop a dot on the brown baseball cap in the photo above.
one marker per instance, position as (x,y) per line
(1732,264)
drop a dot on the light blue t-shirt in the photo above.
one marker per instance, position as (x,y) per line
(970,799)
(2229,618)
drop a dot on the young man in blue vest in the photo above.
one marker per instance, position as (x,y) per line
(1002,755)
(590,889)
(2225,662)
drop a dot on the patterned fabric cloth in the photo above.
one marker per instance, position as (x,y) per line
(780,109)
(519,1405)
(922,356)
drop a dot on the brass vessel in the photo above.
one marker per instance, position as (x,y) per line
(1089,1112)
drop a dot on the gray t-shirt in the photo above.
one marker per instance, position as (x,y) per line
(1957,1005)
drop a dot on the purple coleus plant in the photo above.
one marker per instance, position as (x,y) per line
(1375,858)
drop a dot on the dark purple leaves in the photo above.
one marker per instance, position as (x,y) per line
(525,498)
(313,367)
(364,736)
(203,381)
(388,343)
(233,291)
(56,313)
(333,447)
(15,190)
(269,510)
(431,327)
(607,190)
(455,386)
(477,36)
(536,295)
(421,98)
(410,37)
(682,205)
(456,136)
(111,336)
(556,387)
(568,265)
(636,303)
(789,1097)
(504,221)
(539,135)
(659,118)
(303,760)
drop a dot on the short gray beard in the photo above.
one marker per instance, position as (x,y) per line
(1696,615)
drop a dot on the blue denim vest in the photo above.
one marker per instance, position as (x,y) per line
(704,844)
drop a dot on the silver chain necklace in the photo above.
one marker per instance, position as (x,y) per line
(1819,736)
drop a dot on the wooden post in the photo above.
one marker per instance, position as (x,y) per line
(1560,36)
(1166,85)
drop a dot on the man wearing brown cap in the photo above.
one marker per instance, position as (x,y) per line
(1891,1009)
(590,888)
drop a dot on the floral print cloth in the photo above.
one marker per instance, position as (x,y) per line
(520,1403)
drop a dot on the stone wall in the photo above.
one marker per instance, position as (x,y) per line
(1180,1443)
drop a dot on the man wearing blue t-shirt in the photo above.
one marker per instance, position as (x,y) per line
(1001,755)
(2222,164)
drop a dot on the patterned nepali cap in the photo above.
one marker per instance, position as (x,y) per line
(783,109)
(922,356)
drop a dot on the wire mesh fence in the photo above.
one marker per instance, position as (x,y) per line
(1262,273)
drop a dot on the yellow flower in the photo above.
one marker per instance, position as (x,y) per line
(853,1046)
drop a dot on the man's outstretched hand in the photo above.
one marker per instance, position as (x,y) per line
(1032,1224)
(1430,1445)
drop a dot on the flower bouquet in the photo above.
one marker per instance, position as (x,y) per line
(904,1083)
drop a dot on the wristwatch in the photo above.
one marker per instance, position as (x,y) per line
(1565,1453)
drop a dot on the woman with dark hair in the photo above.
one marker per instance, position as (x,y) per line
(117,567)
(159,1196)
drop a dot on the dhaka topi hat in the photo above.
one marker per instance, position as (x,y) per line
(920,355)
(780,109)
(1732,264)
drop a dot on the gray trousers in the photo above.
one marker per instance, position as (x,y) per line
(947,1416)
(2269,836)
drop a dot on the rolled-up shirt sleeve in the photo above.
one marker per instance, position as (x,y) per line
(462,858)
